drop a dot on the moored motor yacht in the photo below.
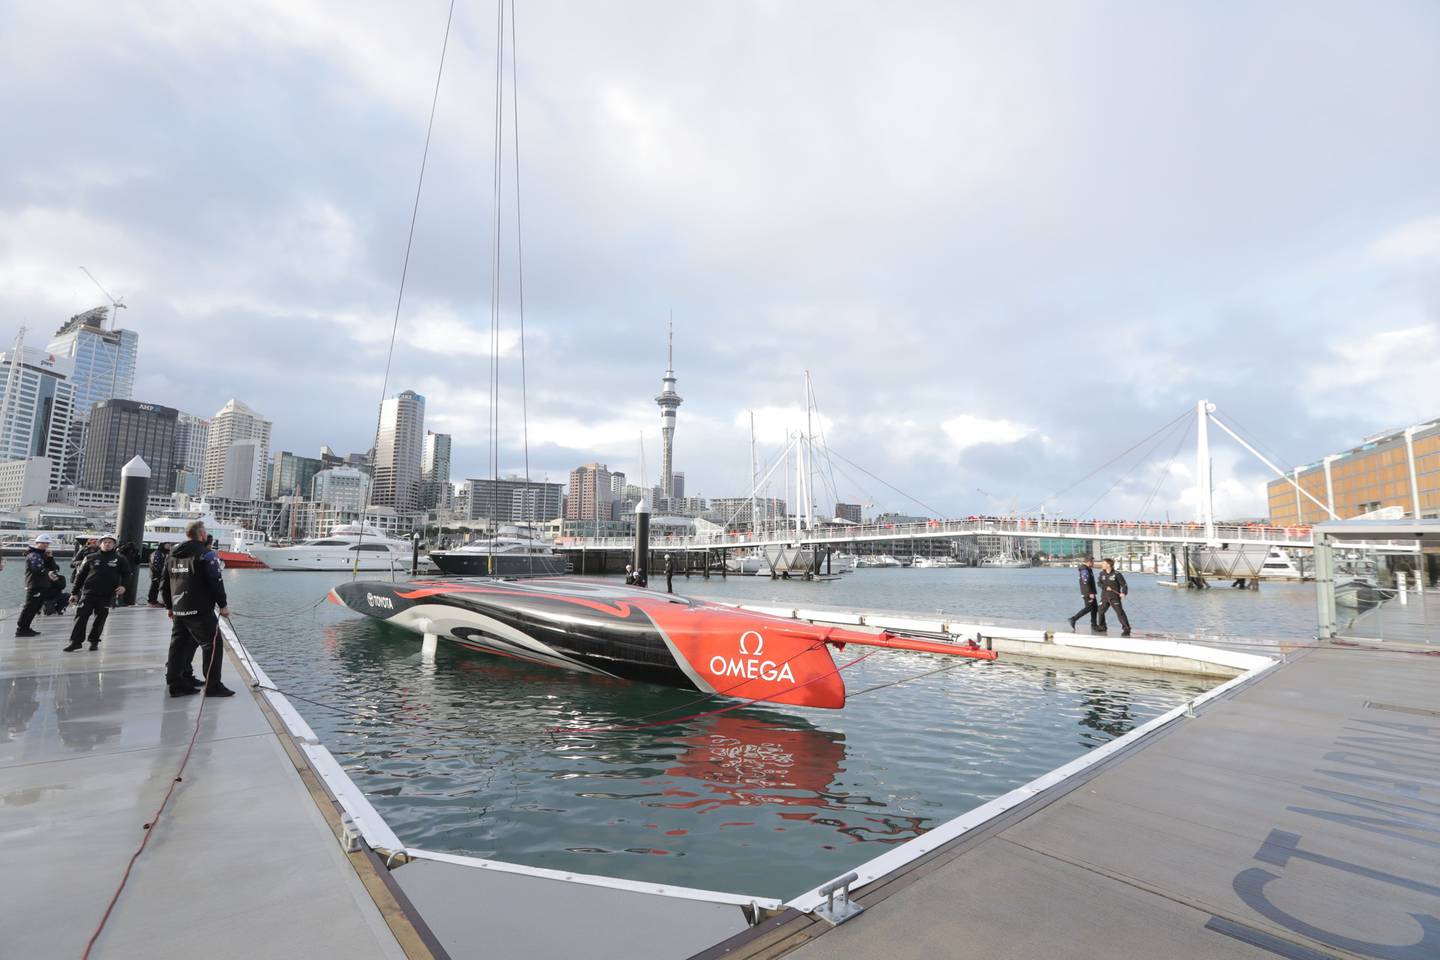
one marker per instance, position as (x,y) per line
(511,552)
(350,546)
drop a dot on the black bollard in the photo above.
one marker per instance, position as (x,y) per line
(415,553)
(130,519)
(642,542)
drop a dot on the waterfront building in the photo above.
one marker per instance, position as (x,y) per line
(292,474)
(236,424)
(24,482)
(669,402)
(1400,468)
(103,368)
(617,484)
(513,500)
(36,404)
(120,430)
(99,503)
(849,511)
(399,447)
(733,513)
(589,495)
(345,488)
(191,435)
(435,470)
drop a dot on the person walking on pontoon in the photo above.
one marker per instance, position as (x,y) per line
(1113,591)
(1087,594)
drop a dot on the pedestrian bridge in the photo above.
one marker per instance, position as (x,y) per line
(835,535)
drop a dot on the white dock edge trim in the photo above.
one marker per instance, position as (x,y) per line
(595,880)
(352,800)
(888,863)
(377,832)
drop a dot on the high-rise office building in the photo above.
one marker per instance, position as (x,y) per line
(434,470)
(669,402)
(617,485)
(1400,468)
(399,447)
(236,423)
(344,488)
(122,429)
(36,403)
(103,369)
(512,500)
(849,511)
(291,474)
(589,496)
(191,435)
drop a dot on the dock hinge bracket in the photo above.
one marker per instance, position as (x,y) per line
(838,907)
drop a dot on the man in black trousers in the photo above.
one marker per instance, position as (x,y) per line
(158,556)
(669,574)
(1113,591)
(193,587)
(1087,594)
(98,583)
(42,576)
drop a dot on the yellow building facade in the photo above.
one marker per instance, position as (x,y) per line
(1400,469)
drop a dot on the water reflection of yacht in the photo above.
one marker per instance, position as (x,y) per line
(349,547)
(511,552)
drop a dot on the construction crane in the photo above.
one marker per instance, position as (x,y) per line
(116,305)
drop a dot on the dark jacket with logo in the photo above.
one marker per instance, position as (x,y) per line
(1113,585)
(157,561)
(38,567)
(194,583)
(99,575)
(1087,583)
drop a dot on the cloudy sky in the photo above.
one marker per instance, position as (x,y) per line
(1008,240)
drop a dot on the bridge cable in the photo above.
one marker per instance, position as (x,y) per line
(935,513)
(1164,474)
(1125,475)
(520,271)
(1059,493)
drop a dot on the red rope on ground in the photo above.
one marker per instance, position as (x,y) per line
(709,713)
(216,653)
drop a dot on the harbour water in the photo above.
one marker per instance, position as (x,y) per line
(488,757)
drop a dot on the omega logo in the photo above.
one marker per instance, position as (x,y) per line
(749,666)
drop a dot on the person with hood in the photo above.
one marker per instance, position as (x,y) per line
(1087,594)
(158,556)
(193,587)
(41,576)
(98,584)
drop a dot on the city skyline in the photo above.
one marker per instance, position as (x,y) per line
(999,277)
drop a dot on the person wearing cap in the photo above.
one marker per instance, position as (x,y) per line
(1087,594)
(99,582)
(193,587)
(41,575)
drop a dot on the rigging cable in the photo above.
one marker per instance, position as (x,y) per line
(902,493)
(405,265)
(520,274)
(1125,475)
(1164,474)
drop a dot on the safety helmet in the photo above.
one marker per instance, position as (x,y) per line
(108,536)
(43,538)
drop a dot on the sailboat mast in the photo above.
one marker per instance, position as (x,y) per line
(754,483)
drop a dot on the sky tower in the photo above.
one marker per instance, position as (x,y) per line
(669,402)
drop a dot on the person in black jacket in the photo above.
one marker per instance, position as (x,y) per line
(1113,591)
(41,575)
(84,550)
(158,556)
(669,574)
(193,587)
(1087,594)
(99,582)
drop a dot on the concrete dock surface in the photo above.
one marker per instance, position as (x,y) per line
(243,864)
(1298,816)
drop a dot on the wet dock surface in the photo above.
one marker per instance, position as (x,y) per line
(1298,816)
(242,863)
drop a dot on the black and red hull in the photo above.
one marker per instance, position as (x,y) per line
(602,628)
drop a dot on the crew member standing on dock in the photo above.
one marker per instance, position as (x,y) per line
(1087,594)
(193,587)
(1113,591)
(98,584)
(41,576)
(669,574)
(158,556)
